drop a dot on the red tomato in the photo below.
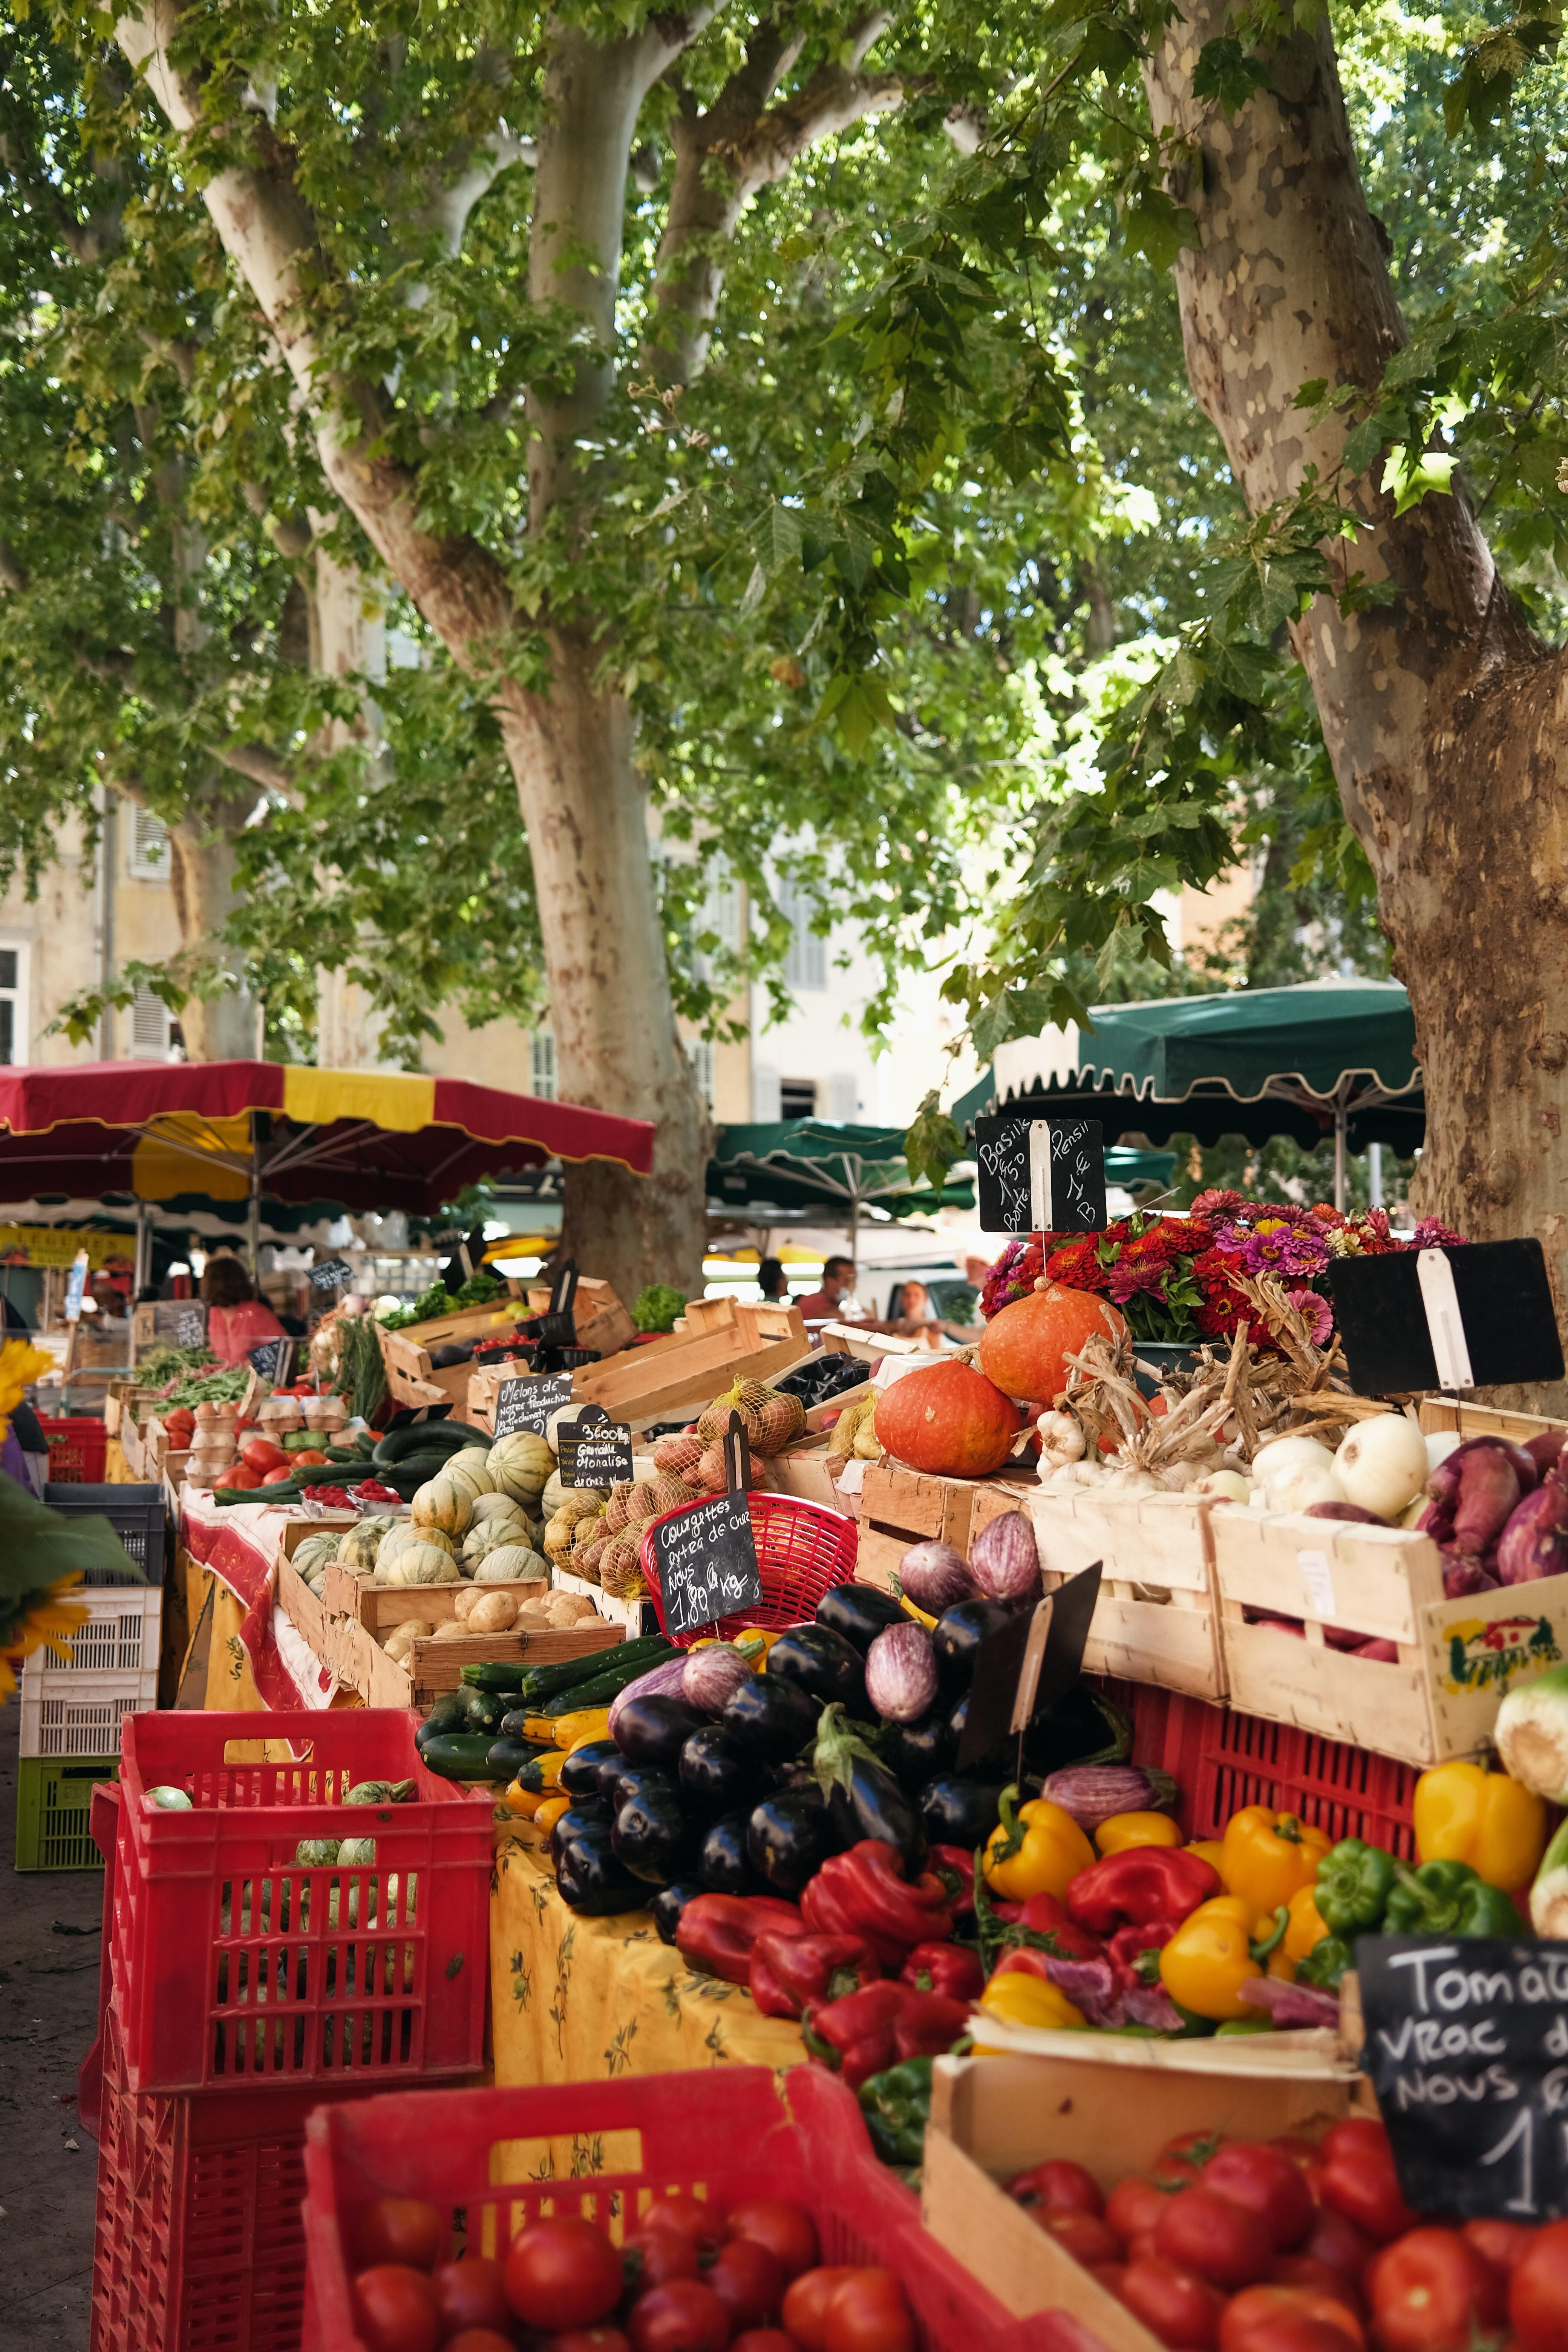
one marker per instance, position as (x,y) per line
(1187,2153)
(396,2308)
(1135,2205)
(748,2281)
(472,2294)
(787,2230)
(1298,2331)
(1432,2291)
(307,1458)
(1538,2293)
(239,1480)
(684,2316)
(1502,2243)
(1109,2275)
(1269,2183)
(1182,2311)
(1058,2186)
(1304,2155)
(653,2257)
(696,2220)
(1084,2236)
(276,1477)
(1338,2243)
(1360,2181)
(398,2229)
(1201,2230)
(867,2313)
(1306,2270)
(480,2339)
(562,2273)
(1252,2317)
(805,2304)
(260,1454)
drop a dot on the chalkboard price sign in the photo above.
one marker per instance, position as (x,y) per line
(1466,2045)
(1040,1175)
(272,1359)
(594,1451)
(1446,1318)
(706,1563)
(189,1327)
(528,1404)
(333,1274)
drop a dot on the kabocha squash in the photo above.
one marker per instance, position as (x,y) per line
(442,1503)
(420,1563)
(520,1465)
(510,1564)
(948,1419)
(1025,1348)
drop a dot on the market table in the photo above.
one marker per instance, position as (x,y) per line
(574,1998)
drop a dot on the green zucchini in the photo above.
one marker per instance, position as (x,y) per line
(509,1756)
(442,1438)
(502,1674)
(547,1682)
(600,1688)
(449,1712)
(459,1755)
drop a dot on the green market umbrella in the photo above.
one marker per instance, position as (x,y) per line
(815,1164)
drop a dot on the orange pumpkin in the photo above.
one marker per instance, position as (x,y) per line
(949,1419)
(1024,1349)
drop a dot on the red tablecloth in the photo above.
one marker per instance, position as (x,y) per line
(238,1543)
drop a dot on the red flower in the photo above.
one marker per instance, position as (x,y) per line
(1076,1264)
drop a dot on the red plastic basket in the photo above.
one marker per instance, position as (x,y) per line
(199,2244)
(803,1550)
(1222,1761)
(234,1964)
(495,2159)
(78,1450)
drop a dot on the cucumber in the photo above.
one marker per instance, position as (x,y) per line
(602,1688)
(500,1675)
(460,1756)
(439,1437)
(508,1757)
(547,1682)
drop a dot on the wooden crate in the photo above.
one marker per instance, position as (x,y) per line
(599,1318)
(1455,1660)
(673,1376)
(1439,1413)
(411,1376)
(310,1616)
(993,2117)
(356,1656)
(899,1508)
(1157,1618)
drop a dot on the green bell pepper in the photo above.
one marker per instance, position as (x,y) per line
(1448,1899)
(1326,1963)
(1353,1885)
(896,2108)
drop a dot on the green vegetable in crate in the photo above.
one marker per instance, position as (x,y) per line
(167,1800)
(657,1307)
(896,2108)
(357,1854)
(1354,1884)
(458,1756)
(1448,1899)
(441,1439)
(519,1464)
(317,1853)
(381,1792)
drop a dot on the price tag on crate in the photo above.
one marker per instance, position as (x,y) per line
(528,1401)
(1040,1175)
(272,1359)
(1446,1318)
(707,1555)
(1466,2045)
(333,1274)
(594,1450)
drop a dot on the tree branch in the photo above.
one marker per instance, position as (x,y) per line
(254,761)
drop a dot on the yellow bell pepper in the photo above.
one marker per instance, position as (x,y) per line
(1304,1930)
(1211,1851)
(1121,1832)
(550,1812)
(1029,2000)
(1266,1856)
(1464,1813)
(1036,1849)
(1211,1954)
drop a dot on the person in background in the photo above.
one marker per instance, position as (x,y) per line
(236,1319)
(837,1295)
(772,1281)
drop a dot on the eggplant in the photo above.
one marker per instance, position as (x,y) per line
(916,1752)
(957,1722)
(859,1611)
(822,1661)
(1080,1728)
(669,1903)
(960,1631)
(864,1799)
(771,1716)
(723,1865)
(587,1814)
(651,1835)
(654,1730)
(580,1774)
(628,1780)
(789,1837)
(718,1773)
(591,1879)
(957,1810)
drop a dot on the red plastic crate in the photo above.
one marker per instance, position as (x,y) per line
(495,2159)
(199,2243)
(803,1550)
(234,1964)
(1221,1760)
(78,1447)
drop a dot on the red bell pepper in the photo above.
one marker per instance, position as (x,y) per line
(792,1973)
(865,1892)
(954,1865)
(952,1970)
(717,1932)
(880,2026)
(1151,1888)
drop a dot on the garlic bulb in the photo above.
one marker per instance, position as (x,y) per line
(1061,1437)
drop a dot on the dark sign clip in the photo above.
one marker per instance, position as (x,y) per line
(737,1457)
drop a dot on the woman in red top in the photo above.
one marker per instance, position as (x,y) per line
(236,1319)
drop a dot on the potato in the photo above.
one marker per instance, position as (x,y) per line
(492,1613)
(454,1630)
(415,1627)
(464,1598)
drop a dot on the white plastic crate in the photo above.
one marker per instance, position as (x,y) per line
(74,1708)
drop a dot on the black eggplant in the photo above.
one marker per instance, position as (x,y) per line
(859,1612)
(957,1810)
(864,1799)
(822,1661)
(789,1837)
(581,1773)
(591,1879)
(654,1730)
(588,1813)
(956,1723)
(917,1751)
(669,1903)
(717,1773)
(1081,1728)
(960,1631)
(651,1834)
(723,1862)
(628,1780)
(771,1716)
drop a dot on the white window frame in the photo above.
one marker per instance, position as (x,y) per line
(147,1008)
(544,1080)
(805,958)
(19,998)
(701,1052)
(149,859)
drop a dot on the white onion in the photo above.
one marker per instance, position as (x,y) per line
(1439,1445)
(1382,1464)
(1229,1485)
(1283,1454)
(1297,1488)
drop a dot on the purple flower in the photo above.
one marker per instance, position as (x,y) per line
(1286,1249)
(1316,1313)
(1128,1277)
(1433,1233)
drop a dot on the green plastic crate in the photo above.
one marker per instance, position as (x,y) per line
(53,1796)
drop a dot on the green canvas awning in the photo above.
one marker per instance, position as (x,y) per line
(810,1164)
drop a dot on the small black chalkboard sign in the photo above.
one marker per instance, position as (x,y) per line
(190,1325)
(593,1450)
(707,1553)
(1028,1666)
(528,1402)
(333,1274)
(1446,1318)
(272,1359)
(1466,2045)
(1040,1175)
(557,1326)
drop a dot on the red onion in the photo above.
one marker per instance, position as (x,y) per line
(1535,1541)
(1489,1493)
(711,1676)
(900,1673)
(1004,1558)
(934,1576)
(1344,1511)
(1544,1450)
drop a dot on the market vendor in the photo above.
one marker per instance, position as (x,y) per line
(236,1319)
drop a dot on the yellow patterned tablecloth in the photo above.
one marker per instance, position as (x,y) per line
(573,1999)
